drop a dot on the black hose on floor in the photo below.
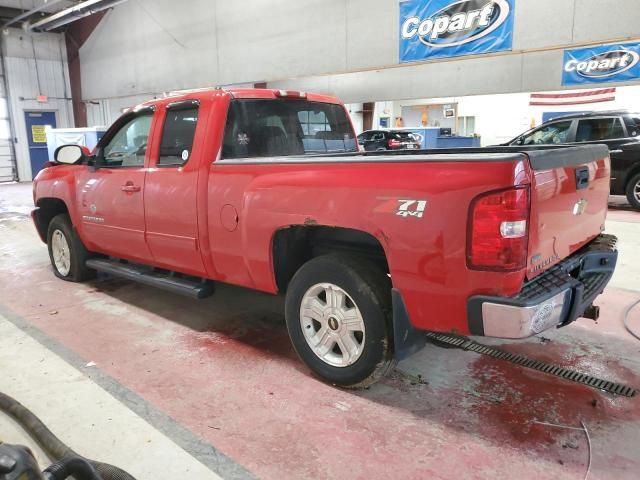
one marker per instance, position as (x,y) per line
(78,467)
(52,445)
(625,320)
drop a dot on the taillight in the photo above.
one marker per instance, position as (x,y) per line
(394,143)
(499,231)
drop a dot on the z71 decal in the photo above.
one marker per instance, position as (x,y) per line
(402,207)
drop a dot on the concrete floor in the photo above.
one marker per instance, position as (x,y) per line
(214,387)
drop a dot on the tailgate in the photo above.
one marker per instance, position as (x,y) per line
(569,200)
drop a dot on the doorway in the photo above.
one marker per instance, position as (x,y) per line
(36,123)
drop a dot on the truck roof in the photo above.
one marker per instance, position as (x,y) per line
(248,93)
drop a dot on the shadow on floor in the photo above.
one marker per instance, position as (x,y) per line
(472,394)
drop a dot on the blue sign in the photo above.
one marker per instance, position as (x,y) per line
(609,63)
(451,28)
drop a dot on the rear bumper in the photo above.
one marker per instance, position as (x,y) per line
(554,299)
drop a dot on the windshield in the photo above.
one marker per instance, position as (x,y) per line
(549,134)
(273,128)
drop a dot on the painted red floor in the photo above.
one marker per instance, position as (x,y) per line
(224,368)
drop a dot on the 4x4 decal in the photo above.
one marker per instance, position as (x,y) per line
(402,207)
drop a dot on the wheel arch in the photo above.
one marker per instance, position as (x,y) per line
(48,208)
(295,245)
(635,170)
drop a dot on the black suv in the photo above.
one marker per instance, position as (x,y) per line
(378,140)
(619,130)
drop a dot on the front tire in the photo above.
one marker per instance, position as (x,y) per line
(66,251)
(338,313)
(633,191)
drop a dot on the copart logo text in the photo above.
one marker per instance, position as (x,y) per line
(457,24)
(604,64)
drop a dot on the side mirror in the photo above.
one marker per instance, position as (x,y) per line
(520,141)
(70,154)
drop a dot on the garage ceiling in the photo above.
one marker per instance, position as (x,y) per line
(49,6)
(49,15)
(10,9)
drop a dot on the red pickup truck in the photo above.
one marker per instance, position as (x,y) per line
(267,190)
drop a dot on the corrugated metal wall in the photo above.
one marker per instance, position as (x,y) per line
(36,65)
(8,169)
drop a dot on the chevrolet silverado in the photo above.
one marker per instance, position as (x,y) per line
(266,189)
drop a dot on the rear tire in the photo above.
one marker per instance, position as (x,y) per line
(633,191)
(66,251)
(338,312)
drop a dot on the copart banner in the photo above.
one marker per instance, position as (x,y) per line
(449,28)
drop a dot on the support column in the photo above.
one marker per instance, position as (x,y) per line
(75,36)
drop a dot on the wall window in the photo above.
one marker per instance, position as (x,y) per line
(177,136)
(313,122)
(466,126)
(596,129)
(128,146)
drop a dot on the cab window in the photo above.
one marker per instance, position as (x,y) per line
(272,128)
(128,146)
(553,133)
(597,129)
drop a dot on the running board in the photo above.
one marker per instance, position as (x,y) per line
(455,341)
(169,281)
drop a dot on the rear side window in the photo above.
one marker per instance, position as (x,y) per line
(273,128)
(596,129)
(178,135)
(634,127)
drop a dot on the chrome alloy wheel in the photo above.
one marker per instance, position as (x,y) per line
(332,325)
(636,191)
(61,253)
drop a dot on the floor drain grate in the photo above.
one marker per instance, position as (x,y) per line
(465,343)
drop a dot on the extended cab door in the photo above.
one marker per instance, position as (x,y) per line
(171,188)
(110,195)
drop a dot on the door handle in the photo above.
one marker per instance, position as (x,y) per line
(582,178)
(129,187)
(616,151)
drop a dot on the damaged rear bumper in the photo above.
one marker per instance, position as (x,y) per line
(554,299)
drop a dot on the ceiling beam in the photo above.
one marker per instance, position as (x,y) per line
(26,14)
(8,13)
(71,14)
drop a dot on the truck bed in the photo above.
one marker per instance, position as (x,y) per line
(540,157)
